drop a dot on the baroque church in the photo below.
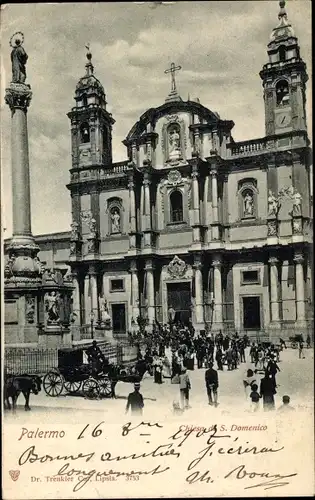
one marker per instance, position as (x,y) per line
(192,225)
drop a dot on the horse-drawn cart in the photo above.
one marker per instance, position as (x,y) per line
(73,375)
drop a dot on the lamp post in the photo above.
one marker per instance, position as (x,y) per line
(92,316)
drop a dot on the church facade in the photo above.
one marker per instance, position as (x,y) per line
(193,224)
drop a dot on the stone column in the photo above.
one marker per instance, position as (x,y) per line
(274,291)
(217,278)
(147,201)
(195,204)
(199,309)
(214,182)
(299,289)
(134,290)
(132,204)
(150,291)
(76,298)
(87,299)
(18,97)
(93,292)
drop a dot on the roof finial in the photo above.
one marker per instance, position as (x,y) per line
(89,66)
(282,13)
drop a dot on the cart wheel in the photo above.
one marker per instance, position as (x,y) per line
(294,345)
(105,387)
(91,388)
(53,383)
(72,386)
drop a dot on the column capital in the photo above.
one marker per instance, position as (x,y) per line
(18,96)
(217,261)
(273,261)
(92,270)
(298,258)
(213,171)
(133,267)
(149,266)
(146,178)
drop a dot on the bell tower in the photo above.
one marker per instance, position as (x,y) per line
(284,80)
(91,124)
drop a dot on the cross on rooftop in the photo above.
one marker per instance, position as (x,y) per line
(172,70)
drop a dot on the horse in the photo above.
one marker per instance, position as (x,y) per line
(134,374)
(15,384)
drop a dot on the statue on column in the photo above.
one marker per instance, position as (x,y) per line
(18,58)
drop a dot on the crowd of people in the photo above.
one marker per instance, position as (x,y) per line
(173,350)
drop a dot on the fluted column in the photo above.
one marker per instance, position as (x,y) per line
(299,289)
(150,292)
(217,278)
(76,298)
(134,290)
(199,308)
(274,290)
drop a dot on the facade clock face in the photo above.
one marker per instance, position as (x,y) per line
(283,120)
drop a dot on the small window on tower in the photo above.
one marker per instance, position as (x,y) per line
(282,93)
(85,132)
(282,53)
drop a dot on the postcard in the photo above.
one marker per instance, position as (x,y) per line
(157,286)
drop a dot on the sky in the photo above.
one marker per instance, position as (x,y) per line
(221,46)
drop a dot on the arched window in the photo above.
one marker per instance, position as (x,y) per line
(84,100)
(85,132)
(176,205)
(282,93)
(282,53)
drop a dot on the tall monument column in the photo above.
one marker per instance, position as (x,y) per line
(23,269)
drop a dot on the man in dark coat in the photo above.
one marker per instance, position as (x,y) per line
(212,384)
(267,392)
(218,357)
(135,401)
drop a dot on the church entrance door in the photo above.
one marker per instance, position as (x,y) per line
(179,298)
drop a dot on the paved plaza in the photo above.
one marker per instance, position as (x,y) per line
(295,380)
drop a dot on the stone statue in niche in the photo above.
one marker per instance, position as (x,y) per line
(52,307)
(174,143)
(115,220)
(273,204)
(248,204)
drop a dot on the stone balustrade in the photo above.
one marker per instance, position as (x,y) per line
(247,147)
